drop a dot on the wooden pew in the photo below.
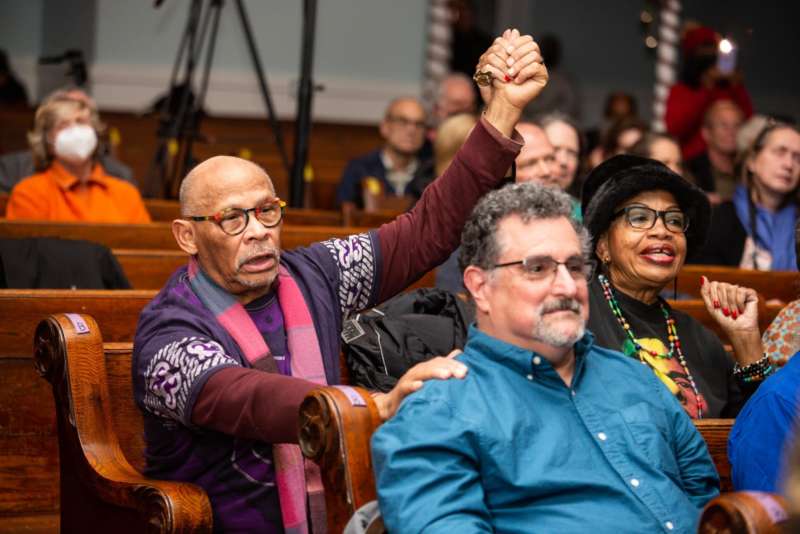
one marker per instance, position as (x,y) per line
(100,438)
(697,310)
(337,422)
(29,488)
(156,235)
(166,210)
(29,494)
(149,269)
(781,285)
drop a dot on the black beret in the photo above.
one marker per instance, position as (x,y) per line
(624,176)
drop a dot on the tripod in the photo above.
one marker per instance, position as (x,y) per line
(181,112)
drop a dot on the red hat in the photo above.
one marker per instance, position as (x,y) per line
(697,37)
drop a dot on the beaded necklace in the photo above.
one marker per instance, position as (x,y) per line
(672,336)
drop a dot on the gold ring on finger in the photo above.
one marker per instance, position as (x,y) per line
(483,78)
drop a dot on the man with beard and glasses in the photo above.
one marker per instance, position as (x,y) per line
(547,432)
(226,352)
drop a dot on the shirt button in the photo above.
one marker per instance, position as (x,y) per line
(537,360)
(602,436)
(669,525)
(635,482)
(530,377)
(573,392)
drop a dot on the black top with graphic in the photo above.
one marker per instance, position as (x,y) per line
(710,366)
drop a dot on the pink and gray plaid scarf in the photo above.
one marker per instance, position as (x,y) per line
(294,476)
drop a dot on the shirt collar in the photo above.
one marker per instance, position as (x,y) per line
(66,180)
(523,361)
(388,165)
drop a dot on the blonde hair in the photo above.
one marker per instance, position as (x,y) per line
(47,116)
(450,135)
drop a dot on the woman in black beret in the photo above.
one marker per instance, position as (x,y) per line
(644,220)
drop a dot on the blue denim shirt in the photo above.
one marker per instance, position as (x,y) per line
(511,448)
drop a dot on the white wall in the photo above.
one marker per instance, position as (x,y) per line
(366,52)
(21,38)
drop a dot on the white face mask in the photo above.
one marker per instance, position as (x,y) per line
(75,143)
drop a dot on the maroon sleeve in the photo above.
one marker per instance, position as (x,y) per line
(424,237)
(251,404)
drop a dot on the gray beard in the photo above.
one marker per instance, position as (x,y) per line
(550,335)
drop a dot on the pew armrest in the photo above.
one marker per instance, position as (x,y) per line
(336,424)
(98,482)
(744,512)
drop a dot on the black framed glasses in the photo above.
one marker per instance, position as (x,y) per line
(405,122)
(644,218)
(233,221)
(543,267)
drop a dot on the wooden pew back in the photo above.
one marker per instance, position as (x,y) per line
(697,310)
(29,489)
(781,285)
(156,235)
(337,422)
(100,433)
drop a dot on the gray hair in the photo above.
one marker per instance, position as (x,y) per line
(529,201)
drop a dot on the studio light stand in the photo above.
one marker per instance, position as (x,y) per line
(179,123)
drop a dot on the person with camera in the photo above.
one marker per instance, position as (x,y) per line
(708,75)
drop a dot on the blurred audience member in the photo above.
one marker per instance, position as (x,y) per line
(618,139)
(15,166)
(756,230)
(713,170)
(72,185)
(748,132)
(456,94)
(759,440)
(701,84)
(395,169)
(565,136)
(536,163)
(559,94)
(12,92)
(619,105)
(660,147)
(450,135)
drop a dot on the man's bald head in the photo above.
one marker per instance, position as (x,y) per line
(208,182)
(403,127)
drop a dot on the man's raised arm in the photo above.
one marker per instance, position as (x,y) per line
(424,237)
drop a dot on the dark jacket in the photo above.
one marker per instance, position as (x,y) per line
(726,238)
(370,164)
(52,263)
(383,343)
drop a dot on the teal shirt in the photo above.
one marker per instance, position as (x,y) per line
(511,448)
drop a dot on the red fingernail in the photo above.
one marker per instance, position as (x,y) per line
(726,312)
(734,314)
(702,281)
(716,304)
(507,78)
